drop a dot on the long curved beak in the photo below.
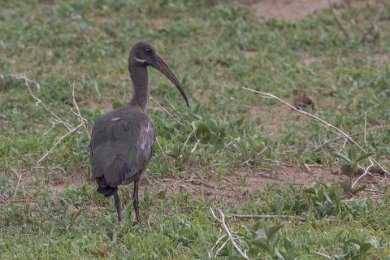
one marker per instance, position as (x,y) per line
(160,65)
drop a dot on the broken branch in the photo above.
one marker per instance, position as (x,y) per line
(228,232)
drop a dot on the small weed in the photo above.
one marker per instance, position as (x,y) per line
(267,241)
(356,249)
(349,167)
(326,199)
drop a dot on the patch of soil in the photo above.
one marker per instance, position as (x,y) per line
(236,187)
(61,181)
(105,104)
(295,9)
(307,60)
(272,118)
(286,9)
(381,58)
(275,117)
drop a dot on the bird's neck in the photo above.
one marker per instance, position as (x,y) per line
(139,77)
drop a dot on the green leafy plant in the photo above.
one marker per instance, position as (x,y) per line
(356,249)
(268,241)
(349,168)
(326,199)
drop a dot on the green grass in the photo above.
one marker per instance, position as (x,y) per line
(215,48)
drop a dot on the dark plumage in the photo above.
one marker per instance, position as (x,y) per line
(122,140)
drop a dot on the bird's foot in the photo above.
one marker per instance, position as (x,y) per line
(120,224)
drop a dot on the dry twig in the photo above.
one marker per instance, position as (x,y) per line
(338,21)
(159,146)
(173,108)
(351,135)
(56,118)
(228,232)
(366,171)
(21,77)
(170,114)
(220,248)
(81,119)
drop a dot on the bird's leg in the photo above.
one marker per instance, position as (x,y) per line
(118,206)
(135,200)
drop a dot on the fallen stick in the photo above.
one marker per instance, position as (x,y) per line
(231,238)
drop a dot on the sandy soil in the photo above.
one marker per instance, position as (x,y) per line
(286,9)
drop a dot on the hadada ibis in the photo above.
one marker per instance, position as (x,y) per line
(122,140)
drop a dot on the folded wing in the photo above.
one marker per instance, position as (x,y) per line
(121,146)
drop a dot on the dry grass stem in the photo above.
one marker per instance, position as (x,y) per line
(366,171)
(59,141)
(21,77)
(338,20)
(81,119)
(19,175)
(365,132)
(173,108)
(228,232)
(221,247)
(54,115)
(170,114)
(195,146)
(215,245)
(365,128)
(53,125)
(159,145)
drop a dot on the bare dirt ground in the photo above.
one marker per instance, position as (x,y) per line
(286,9)
(295,9)
(229,188)
(236,187)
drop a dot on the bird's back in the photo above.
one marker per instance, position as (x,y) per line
(121,146)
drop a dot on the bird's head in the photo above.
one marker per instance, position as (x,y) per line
(143,54)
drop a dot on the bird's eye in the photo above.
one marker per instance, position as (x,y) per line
(148,51)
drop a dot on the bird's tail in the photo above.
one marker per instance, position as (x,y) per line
(114,176)
(107,191)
